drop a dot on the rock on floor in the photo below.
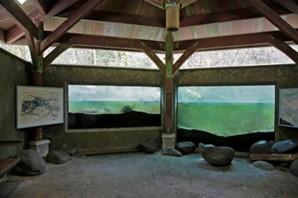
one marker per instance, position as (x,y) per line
(171,152)
(262,146)
(285,146)
(186,147)
(263,165)
(217,155)
(58,157)
(294,168)
(31,164)
(149,146)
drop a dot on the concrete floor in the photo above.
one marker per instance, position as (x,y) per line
(138,175)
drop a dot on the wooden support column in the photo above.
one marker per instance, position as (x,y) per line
(37,74)
(169,96)
(168,73)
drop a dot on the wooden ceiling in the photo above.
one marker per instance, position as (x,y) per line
(127,23)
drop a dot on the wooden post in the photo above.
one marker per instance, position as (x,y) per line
(168,96)
(37,72)
(38,80)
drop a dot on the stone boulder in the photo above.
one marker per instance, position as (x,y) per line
(71,151)
(171,152)
(262,146)
(294,168)
(149,146)
(31,164)
(263,165)
(186,147)
(217,155)
(285,146)
(58,157)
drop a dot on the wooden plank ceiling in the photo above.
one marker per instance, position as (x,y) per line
(118,24)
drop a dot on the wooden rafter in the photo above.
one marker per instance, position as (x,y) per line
(19,17)
(56,52)
(60,6)
(157,3)
(15,33)
(104,42)
(235,41)
(123,18)
(275,19)
(69,23)
(187,53)
(161,3)
(288,4)
(151,54)
(205,44)
(285,48)
(41,6)
(185,3)
(86,27)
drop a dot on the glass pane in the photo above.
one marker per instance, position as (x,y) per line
(238,57)
(227,110)
(113,106)
(110,58)
(288,107)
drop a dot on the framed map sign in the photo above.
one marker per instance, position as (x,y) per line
(39,106)
(288,107)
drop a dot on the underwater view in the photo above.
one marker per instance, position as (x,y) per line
(113,107)
(113,99)
(227,110)
(220,110)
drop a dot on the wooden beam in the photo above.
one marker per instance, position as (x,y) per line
(112,43)
(19,17)
(151,54)
(41,6)
(275,19)
(69,23)
(185,3)
(122,18)
(288,4)
(15,33)
(273,157)
(56,52)
(60,6)
(2,35)
(156,3)
(205,44)
(235,41)
(285,48)
(7,164)
(187,53)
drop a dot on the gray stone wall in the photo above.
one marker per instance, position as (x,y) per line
(12,73)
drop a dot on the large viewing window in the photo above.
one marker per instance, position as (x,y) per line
(227,110)
(113,106)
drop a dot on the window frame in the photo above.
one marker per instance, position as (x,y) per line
(116,129)
(276,96)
